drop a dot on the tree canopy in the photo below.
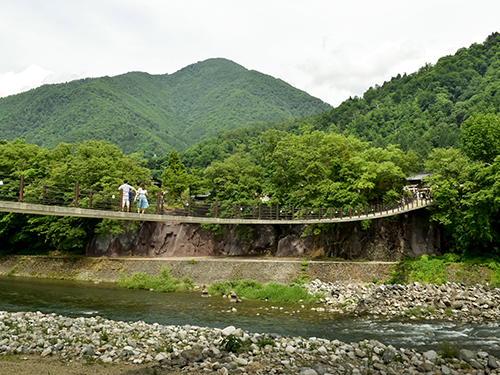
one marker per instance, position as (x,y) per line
(90,163)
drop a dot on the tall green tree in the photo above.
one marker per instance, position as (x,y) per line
(466,202)
(175,179)
(481,137)
(237,179)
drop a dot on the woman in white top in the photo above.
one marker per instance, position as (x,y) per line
(143,201)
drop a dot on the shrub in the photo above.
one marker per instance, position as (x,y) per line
(231,343)
(304,279)
(447,350)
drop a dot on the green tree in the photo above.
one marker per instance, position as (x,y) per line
(18,157)
(175,179)
(481,137)
(466,201)
(237,179)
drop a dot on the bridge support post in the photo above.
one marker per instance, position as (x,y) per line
(90,198)
(189,206)
(260,211)
(340,213)
(350,213)
(76,195)
(366,211)
(157,202)
(277,212)
(293,213)
(21,188)
(331,213)
(44,194)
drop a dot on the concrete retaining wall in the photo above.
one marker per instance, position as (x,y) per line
(201,271)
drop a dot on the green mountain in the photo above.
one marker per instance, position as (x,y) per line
(418,111)
(152,114)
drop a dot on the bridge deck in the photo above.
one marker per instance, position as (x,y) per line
(38,209)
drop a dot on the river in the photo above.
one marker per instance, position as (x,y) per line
(86,299)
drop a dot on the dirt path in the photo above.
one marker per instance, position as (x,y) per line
(32,364)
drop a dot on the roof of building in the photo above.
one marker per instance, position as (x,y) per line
(419,176)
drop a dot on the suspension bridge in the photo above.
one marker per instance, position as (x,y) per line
(28,196)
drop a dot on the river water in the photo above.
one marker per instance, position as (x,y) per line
(86,299)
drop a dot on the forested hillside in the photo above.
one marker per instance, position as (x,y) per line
(418,111)
(152,114)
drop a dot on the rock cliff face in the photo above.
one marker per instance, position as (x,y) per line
(410,234)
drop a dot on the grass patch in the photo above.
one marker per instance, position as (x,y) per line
(273,292)
(262,343)
(413,311)
(161,283)
(448,267)
(427,269)
(11,358)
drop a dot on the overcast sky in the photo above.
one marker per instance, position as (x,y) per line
(331,49)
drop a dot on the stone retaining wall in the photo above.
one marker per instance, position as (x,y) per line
(201,271)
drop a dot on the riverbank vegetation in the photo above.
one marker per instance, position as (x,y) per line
(163,282)
(272,292)
(246,288)
(448,268)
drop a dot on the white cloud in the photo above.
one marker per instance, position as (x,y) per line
(31,77)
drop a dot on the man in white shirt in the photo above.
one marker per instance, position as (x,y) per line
(125,188)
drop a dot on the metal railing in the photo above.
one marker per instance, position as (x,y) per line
(26,190)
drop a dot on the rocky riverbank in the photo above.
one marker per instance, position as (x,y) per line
(203,350)
(450,301)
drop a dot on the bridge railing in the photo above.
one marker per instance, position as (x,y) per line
(29,190)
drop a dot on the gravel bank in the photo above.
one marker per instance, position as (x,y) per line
(200,350)
(451,301)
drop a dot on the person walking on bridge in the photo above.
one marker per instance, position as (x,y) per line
(143,201)
(125,200)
